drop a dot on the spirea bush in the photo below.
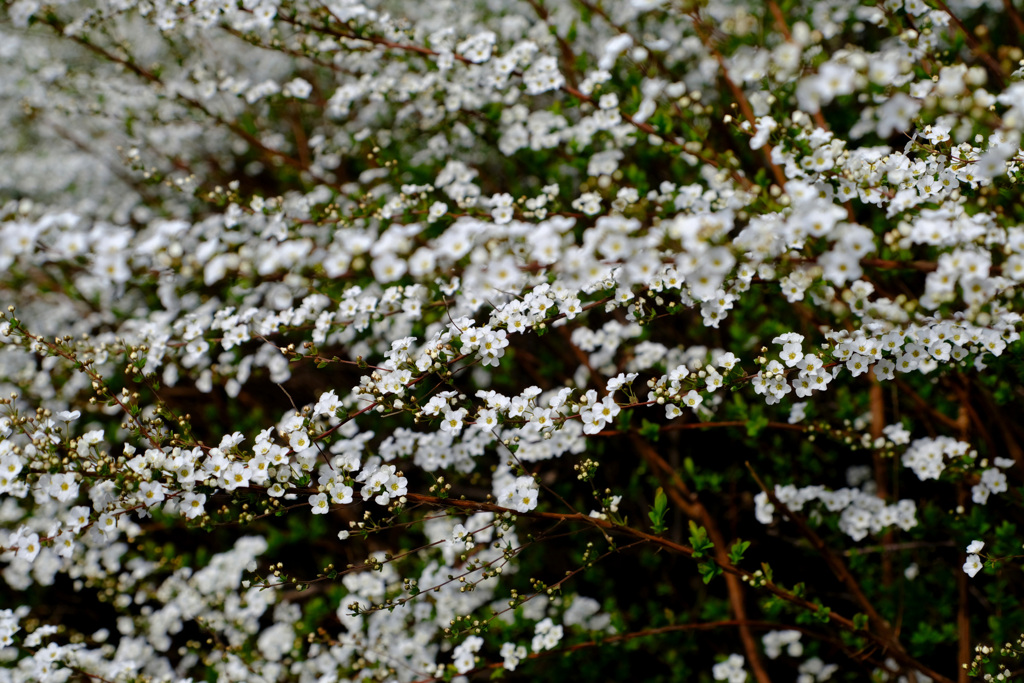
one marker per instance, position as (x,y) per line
(662,340)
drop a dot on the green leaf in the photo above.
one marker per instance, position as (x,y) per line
(649,430)
(756,424)
(699,540)
(737,550)
(660,501)
(708,570)
(657,513)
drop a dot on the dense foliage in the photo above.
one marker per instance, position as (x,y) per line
(536,339)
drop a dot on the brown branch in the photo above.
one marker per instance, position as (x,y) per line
(880,463)
(1009,438)
(924,405)
(780,20)
(582,357)
(895,547)
(746,183)
(963,622)
(886,264)
(122,175)
(568,57)
(838,568)
(646,633)
(130,64)
(1014,16)
(970,414)
(739,95)
(680,494)
(990,62)
(678,425)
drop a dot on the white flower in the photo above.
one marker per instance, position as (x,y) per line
(730,670)
(792,354)
(973,565)
(975,547)
(452,422)
(520,495)
(151,492)
(692,399)
(192,504)
(547,635)
(63,487)
(512,654)
(463,655)
(298,88)
(28,546)
(328,404)
(319,503)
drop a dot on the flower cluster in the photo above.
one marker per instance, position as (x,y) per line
(323,326)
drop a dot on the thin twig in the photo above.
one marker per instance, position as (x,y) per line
(990,62)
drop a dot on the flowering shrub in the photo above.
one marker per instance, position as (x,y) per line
(570,339)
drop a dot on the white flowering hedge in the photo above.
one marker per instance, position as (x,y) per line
(557,339)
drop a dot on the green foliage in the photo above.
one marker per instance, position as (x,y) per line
(658,511)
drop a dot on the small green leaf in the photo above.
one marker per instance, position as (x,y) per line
(657,513)
(708,570)
(699,540)
(756,424)
(737,550)
(649,430)
(660,500)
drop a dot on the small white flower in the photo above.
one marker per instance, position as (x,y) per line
(298,88)
(319,503)
(973,565)
(692,399)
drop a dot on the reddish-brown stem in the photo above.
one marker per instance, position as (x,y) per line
(739,96)
(886,642)
(130,64)
(680,494)
(963,622)
(834,563)
(1009,438)
(925,406)
(877,400)
(990,62)
(680,426)
(1014,15)
(568,58)
(895,547)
